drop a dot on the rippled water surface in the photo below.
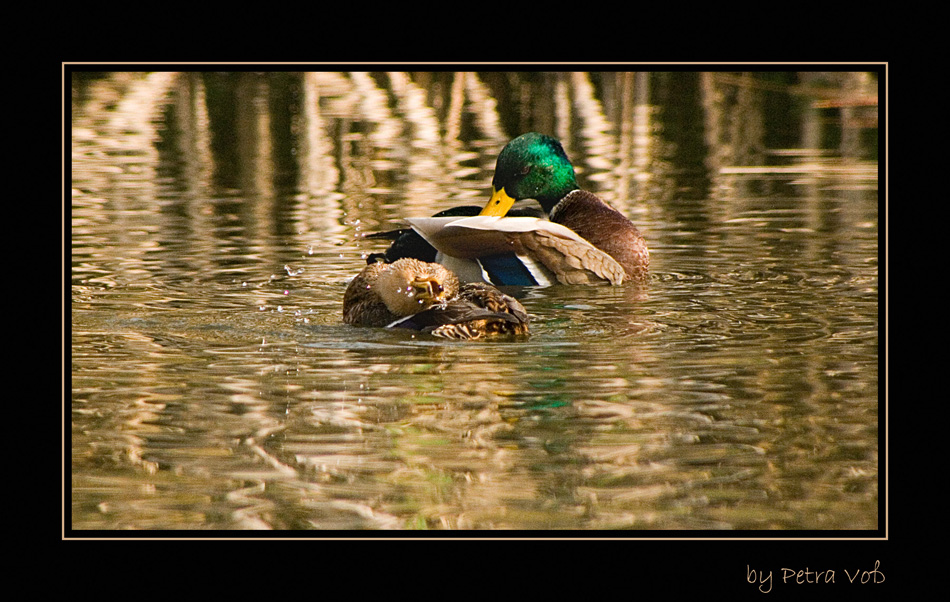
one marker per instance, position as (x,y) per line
(216,219)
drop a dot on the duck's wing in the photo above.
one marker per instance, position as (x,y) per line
(406,242)
(478,311)
(570,258)
(456,312)
(490,298)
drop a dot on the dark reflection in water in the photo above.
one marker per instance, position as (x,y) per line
(216,219)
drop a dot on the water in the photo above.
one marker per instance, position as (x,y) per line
(217,218)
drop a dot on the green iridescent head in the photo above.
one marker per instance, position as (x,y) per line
(532,166)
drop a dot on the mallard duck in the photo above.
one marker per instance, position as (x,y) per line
(417,295)
(583,241)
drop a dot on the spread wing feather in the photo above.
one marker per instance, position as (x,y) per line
(569,257)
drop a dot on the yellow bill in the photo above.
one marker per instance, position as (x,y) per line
(499,204)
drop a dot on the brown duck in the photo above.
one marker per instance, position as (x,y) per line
(417,295)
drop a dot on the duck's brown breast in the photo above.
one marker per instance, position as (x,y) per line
(605,228)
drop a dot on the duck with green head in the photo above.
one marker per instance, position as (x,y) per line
(583,241)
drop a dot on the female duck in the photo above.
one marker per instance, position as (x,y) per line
(413,294)
(585,241)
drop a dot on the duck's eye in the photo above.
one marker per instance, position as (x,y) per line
(525,170)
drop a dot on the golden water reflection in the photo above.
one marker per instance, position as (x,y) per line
(216,218)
